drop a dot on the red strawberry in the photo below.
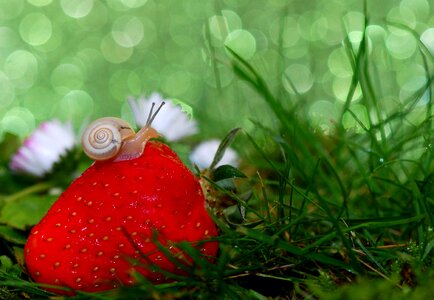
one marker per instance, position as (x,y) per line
(101,228)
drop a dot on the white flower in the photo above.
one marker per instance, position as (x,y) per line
(173,123)
(43,148)
(203,155)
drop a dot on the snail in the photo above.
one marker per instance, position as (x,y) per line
(112,138)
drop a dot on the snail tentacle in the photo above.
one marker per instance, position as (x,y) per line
(133,148)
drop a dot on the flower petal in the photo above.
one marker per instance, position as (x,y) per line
(203,155)
(171,122)
(43,148)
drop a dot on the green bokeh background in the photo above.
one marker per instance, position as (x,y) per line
(79,60)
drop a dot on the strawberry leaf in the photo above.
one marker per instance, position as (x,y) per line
(226,142)
(27,211)
(184,107)
(226,172)
(8,267)
(227,184)
(12,235)
(235,214)
(8,147)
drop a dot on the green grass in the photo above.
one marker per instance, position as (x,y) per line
(343,214)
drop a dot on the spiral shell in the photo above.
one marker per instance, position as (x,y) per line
(103,138)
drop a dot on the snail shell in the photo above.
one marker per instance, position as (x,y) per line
(113,138)
(103,138)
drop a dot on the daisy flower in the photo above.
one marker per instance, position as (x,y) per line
(43,148)
(203,155)
(172,122)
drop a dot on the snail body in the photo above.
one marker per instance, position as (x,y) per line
(134,147)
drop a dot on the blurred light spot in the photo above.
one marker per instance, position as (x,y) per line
(8,38)
(339,63)
(54,42)
(242,42)
(360,122)
(412,152)
(376,34)
(66,77)
(221,25)
(406,96)
(420,8)
(39,100)
(113,52)
(194,10)
(411,77)
(180,32)
(273,57)
(19,121)
(96,19)
(176,83)
(297,51)
(354,21)
(417,115)
(232,18)
(222,76)
(18,63)
(126,113)
(355,37)
(10,9)
(149,33)
(76,106)
(153,78)
(401,15)
(182,40)
(77,8)
(335,31)
(298,79)
(35,29)
(414,84)
(91,59)
(118,84)
(39,2)
(21,67)
(323,115)
(116,5)
(218,27)
(127,31)
(7,91)
(376,118)
(135,83)
(341,87)
(401,44)
(134,3)
(427,39)
(284,33)
(261,40)
(312,26)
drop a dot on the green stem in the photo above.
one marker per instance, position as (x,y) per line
(36,188)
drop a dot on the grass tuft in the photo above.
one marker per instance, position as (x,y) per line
(345,213)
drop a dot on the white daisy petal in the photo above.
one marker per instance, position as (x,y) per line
(137,107)
(43,148)
(171,122)
(203,155)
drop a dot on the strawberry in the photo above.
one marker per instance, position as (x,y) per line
(102,229)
